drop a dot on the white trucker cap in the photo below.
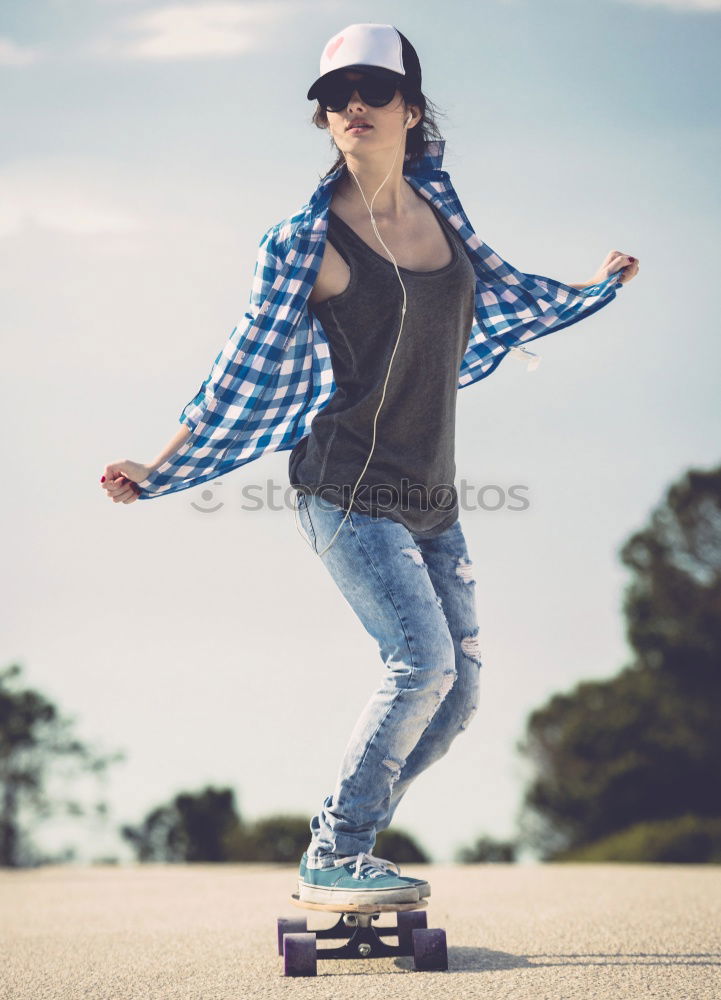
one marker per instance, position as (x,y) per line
(375,48)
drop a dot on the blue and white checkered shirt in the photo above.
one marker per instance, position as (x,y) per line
(274,373)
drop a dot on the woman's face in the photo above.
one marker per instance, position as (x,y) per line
(386,122)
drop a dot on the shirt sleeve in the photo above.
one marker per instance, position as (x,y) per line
(214,415)
(514,308)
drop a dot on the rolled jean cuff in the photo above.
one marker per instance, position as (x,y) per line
(325,861)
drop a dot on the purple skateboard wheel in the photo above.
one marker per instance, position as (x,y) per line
(288,925)
(407,921)
(299,955)
(429,949)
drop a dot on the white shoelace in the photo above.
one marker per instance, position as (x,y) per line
(369,864)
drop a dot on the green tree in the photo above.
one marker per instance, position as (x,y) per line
(401,847)
(37,744)
(278,838)
(688,838)
(486,849)
(673,603)
(205,826)
(193,827)
(644,746)
(283,838)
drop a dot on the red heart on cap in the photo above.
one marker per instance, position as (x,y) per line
(333,47)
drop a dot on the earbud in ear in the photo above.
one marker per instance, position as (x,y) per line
(409,117)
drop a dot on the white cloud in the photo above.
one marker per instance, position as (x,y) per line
(12,54)
(61,197)
(196,30)
(682,6)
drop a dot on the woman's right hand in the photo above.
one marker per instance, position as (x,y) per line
(120,479)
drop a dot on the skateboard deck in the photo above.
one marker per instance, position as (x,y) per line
(299,946)
(358,907)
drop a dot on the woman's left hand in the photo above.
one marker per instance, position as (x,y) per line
(616,261)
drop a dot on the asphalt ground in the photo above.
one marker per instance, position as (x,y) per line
(527,932)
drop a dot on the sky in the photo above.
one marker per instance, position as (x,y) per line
(145,148)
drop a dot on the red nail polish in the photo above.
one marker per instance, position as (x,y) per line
(632,259)
(102,479)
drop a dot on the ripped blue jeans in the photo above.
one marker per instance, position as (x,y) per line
(416,597)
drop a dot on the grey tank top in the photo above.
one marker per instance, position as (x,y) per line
(411,473)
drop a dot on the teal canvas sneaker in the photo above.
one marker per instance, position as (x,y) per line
(358,878)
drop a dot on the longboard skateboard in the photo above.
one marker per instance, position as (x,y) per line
(300,951)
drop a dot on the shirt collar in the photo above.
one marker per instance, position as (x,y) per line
(425,167)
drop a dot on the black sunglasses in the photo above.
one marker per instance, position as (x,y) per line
(334,93)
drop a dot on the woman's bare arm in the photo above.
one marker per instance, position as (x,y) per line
(172,446)
(120,478)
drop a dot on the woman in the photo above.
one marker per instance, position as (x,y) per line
(364,316)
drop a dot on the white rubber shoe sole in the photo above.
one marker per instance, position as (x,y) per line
(331,896)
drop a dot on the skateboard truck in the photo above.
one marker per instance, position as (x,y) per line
(300,951)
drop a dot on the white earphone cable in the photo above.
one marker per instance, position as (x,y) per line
(403,313)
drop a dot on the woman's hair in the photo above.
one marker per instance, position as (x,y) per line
(426,129)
